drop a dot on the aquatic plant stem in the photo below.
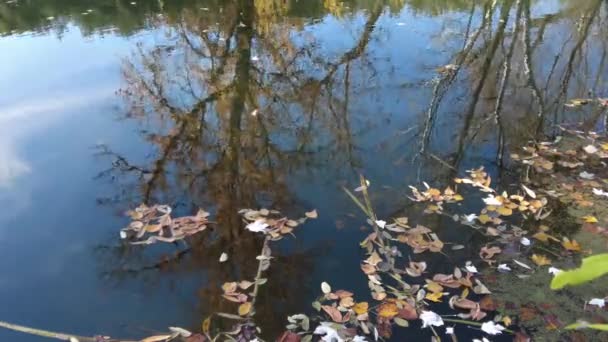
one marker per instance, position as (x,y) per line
(49,334)
(477,324)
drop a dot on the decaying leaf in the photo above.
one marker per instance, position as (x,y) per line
(540,260)
(245,308)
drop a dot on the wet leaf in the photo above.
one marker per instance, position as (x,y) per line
(433,286)
(289,336)
(416,269)
(571,245)
(325,288)
(480,288)
(434,296)
(245,308)
(229,287)
(333,313)
(206,325)
(590,219)
(347,302)
(504,211)
(401,322)
(312,214)
(540,260)
(388,310)
(223,257)
(544,237)
(408,311)
(487,303)
(244,284)
(361,308)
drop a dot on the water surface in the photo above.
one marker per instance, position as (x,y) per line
(108,104)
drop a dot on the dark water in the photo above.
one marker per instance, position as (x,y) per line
(108,104)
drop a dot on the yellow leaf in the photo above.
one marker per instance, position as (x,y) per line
(504,211)
(433,286)
(507,320)
(465,293)
(484,218)
(571,245)
(433,192)
(544,237)
(435,296)
(388,310)
(207,325)
(245,308)
(590,219)
(361,308)
(540,260)
(458,197)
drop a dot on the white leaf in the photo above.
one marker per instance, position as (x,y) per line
(491,200)
(482,340)
(471,268)
(600,302)
(600,192)
(330,334)
(554,271)
(504,268)
(123,234)
(325,288)
(359,339)
(492,328)
(429,318)
(223,257)
(525,241)
(522,264)
(590,149)
(257,226)
(586,175)
(470,217)
(529,191)
(381,223)
(449,330)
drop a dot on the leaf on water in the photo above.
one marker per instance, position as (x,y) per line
(571,245)
(590,219)
(480,288)
(415,269)
(484,218)
(333,313)
(347,302)
(540,260)
(433,286)
(591,268)
(207,325)
(244,284)
(245,308)
(434,296)
(312,214)
(373,259)
(388,310)
(544,237)
(529,191)
(325,288)
(361,308)
(223,257)
(401,322)
(590,149)
(504,211)
(229,287)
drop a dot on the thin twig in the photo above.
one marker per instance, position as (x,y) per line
(50,334)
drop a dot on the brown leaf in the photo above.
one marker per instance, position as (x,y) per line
(487,303)
(312,214)
(333,313)
(343,293)
(408,311)
(196,338)
(289,336)
(463,303)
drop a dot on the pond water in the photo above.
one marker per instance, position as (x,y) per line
(230,104)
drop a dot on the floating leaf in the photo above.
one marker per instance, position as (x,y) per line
(312,214)
(361,308)
(434,296)
(207,325)
(388,310)
(325,288)
(571,245)
(245,308)
(401,322)
(540,260)
(504,211)
(592,267)
(333,312)
(590,219)
(223,257)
